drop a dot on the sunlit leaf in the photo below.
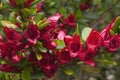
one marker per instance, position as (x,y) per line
(85,33)
(7,24)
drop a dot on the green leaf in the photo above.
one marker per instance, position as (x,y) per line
(43,25)
(38,17)
(95,2)
(7,24)
(16,77)
(39,57)
(78,14)
(106,62)
(68,71)
(12,17)
(26,73)
(63,11)
(116,27)
(77,31)
(85,33)
(1,6)
(1,17)
(60,44)
(40,47)
(89,68)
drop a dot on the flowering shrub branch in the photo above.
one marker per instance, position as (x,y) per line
(32,44)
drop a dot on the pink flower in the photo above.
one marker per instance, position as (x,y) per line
(16,58)
(54,18)
(61,35)
(32,34)
(70,21)
(12,35)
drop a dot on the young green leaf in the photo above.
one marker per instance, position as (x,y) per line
(60,44)
(85,33)
(116,27)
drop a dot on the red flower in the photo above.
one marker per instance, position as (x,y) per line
(12,2)
(94,40)
(32,34)
(110,42)
(50,45)
(48,64)
(113,43)
(87,56)
(39,6)
(70,21)
(9,51)
(105,33)
(12,35)
(9,68)
(73,45)
(28,3)
(47,35)
(64,56)
(84,7)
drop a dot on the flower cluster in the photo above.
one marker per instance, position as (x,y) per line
(48,46)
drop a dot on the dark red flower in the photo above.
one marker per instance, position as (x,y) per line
(63,56)
(12,35)
(84,7)
(39,6)
(47,35)
(48,64)
(28,3)
(50,45)
(70,21)
(32,34)
(94,40)
(9,68)
(12,2)
(9,51)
